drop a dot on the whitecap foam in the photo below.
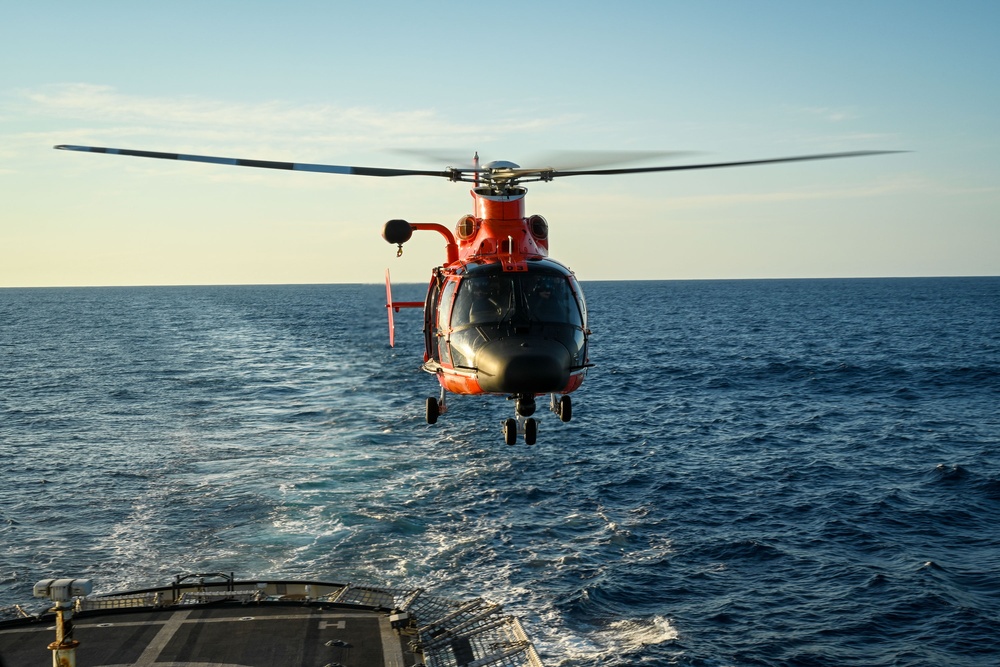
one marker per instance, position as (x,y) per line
(636,633)
(615,640)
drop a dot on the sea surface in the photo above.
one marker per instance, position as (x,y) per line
(772,472)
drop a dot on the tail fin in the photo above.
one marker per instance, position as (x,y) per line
(394,306)
(389,308)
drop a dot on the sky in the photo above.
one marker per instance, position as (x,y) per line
(408,84)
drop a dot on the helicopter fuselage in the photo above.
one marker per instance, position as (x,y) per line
(500,316)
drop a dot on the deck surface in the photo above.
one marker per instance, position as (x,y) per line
(224,635)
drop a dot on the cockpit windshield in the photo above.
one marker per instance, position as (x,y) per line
(490,304)
(515,298)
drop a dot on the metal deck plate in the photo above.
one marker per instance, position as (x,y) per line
(227,635)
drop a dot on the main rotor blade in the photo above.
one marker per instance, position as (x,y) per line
(563,160)
(266,164)
(572,160)
(640,170)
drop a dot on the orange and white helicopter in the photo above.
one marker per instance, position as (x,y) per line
(501,317)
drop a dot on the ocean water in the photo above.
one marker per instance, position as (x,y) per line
(800,472)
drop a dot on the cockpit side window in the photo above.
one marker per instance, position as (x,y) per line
(445,305)
(580,301)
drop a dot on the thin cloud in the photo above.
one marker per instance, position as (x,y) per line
(110,113)
(831,114)
(84,101)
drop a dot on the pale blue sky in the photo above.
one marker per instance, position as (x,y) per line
(349,83)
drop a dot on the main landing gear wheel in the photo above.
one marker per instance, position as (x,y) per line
(563,407)
(436,407)
(510,431)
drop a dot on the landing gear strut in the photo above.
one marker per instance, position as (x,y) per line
(525,406)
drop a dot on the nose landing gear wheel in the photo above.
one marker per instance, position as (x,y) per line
(433,410)
(530,431)
(510,431)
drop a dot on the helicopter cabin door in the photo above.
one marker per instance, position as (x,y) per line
(443,355)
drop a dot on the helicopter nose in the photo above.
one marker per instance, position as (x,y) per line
(523,365)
